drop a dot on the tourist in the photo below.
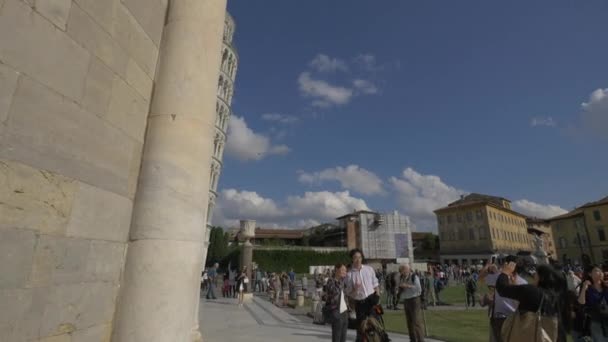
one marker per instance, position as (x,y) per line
(430,289)
(285,283)
(362,286)
(503,307)
(549,290)
(242,281)
(212,275)
(204,281)
(409,282)
(292,283)
(390,287)
(259,282)
(335,310)
(470,284)
(226,287)
(594,297)
(277,289)
(232,283)
(304,285)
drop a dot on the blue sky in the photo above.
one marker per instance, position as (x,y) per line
(347,104)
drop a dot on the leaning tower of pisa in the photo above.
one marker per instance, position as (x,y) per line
(225,91)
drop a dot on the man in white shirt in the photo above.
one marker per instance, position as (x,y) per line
(410,291)
(362,287)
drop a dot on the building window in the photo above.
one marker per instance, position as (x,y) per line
(482,233)
(478,215)
(562,242)
(605,255)
(596,215)
(459,217)
(469,216)
(440,219)
(449,219)
(471,234)
(601,234)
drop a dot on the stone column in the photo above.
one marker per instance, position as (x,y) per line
(161,280)
(247,232)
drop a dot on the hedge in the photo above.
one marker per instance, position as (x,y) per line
(283,260)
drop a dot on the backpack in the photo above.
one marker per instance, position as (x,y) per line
(471,285)
(372,328)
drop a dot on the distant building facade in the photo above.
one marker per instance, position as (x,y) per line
(580,235)
(381,237)
(480,227)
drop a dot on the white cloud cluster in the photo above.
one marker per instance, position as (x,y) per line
(595,112)
(365,87)
(280,118)
(324,63)
(543,121)
(419,195)
(306,210)
(351,177)
(323,94)
(533,209)
(245,144)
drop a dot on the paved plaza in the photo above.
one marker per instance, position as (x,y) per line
(223,320)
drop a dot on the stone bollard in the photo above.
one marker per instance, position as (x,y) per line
(300,294)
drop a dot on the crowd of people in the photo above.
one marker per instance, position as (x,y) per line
(525,302)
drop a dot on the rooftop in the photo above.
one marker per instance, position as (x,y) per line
(596,203)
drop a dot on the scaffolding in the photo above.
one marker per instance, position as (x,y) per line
(386,236)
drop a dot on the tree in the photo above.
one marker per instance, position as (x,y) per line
(218,246)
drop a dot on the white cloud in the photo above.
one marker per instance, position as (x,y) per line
(537,210)
(306,210)
(543,121)
(595,112)
(419,195)
(351,177)
(367,61)
(324,63)
(323,93)
(280,118)
(324,205)
(365,87)
(245,144)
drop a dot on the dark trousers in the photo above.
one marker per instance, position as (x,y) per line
(413,317)
(470,298)
(363,309)
(339,326)
(496,327)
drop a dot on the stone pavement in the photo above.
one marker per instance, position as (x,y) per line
(223,320)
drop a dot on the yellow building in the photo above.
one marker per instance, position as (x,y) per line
(479,227)
(580,235)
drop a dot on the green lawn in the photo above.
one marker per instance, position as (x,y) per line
(449,326)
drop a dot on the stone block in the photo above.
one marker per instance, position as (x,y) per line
(105,261)
(25,37)
(84,30)
(98,88)
(48,132)
(134,169)
(8,84)
(99,214)
(34,199)
(103,12)
(56,11)
(131,36)
(16,253)
(59,260)
(150,15)
(128,110)
(22,321)
(98,333)
(57,338)
(77,306)
(139,80)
